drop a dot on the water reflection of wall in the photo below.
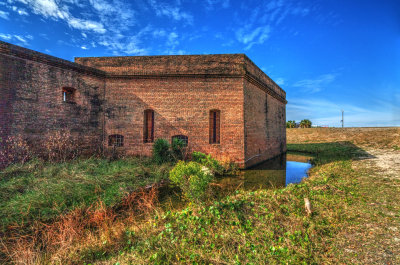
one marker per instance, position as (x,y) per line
(269,174)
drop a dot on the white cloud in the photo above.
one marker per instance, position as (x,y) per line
(173,12)
(20,11)
(280,81)
(18,38)
(83,47)
(5,36)
(82,24)
(58,10)
(4,14)
(253,36)
(159,33)
(315,85)
(325,112)
(173,39)
(264,18)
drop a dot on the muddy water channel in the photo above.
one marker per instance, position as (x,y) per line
(274,173)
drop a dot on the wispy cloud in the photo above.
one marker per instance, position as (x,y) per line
(174,12)
(211,4)
(106,21)
(4,14)
(60,11)
(6,37)
(315,85)
(20,11)
(250,37)
(280,81)
(264,18)
(23,40)
(325,112)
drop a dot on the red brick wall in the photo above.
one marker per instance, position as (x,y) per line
(265,132)
(180,89)
(181,107)
(32,104)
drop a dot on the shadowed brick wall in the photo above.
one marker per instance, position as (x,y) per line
(265,132)
(264,116)
(31,103)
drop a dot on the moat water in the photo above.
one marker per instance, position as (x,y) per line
(274,173)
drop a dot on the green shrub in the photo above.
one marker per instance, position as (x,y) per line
(208,161)
(193,179)
(161,152)
(178,149)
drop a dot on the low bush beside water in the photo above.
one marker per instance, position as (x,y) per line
(208,161)
(193,178)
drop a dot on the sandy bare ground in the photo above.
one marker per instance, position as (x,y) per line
(376,237)
(382,162)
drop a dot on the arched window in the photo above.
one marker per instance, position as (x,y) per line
(183,138)
(68,94)
(215,126)
(116,140)
(148,133)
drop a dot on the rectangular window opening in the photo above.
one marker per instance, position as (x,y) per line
(148,133)
(215,127)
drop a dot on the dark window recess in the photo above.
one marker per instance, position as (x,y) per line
(148,134)
(116,140)
(68,94)
(183,138)
(215,126)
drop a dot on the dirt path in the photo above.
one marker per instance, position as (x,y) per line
(374,236)
(383,162)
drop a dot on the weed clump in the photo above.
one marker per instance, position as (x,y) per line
(161,151)
(193,179)
(214,165)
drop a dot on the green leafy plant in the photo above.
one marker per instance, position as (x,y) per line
(161,151)
(178,149)
(208,161)
(193,179)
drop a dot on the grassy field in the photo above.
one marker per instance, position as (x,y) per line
(354,197)
(386,137)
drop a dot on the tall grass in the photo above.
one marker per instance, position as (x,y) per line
(41,191)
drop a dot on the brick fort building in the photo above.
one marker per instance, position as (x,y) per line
(222,105)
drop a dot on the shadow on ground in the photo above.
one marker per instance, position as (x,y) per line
(331,152)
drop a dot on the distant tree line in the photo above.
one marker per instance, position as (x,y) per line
(306,123)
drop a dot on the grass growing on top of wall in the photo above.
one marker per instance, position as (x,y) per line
(41,191)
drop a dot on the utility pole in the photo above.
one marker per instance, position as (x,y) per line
(342,121)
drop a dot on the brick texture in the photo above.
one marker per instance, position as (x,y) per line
(112,94)
(31,103)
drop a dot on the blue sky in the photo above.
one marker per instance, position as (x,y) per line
(327,55)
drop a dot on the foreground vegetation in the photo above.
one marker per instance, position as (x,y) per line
(40,191)
(354,218)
